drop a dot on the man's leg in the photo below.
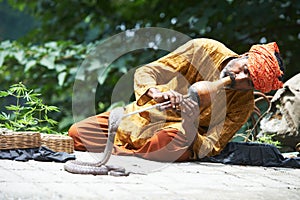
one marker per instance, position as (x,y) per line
(90,134)
(167,145)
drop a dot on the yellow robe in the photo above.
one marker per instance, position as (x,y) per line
(197,60)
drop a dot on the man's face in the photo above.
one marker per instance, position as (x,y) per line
(239,69)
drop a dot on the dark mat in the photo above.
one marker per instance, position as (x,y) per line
(39,154)
(255,154)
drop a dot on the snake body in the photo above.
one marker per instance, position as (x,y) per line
(99,168)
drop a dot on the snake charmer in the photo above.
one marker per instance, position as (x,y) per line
(185,131)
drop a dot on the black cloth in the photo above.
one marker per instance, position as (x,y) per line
(256,154)
(39,154)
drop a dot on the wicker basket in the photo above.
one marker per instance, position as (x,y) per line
(19,140)
(58,143)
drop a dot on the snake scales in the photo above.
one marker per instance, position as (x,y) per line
(99,168)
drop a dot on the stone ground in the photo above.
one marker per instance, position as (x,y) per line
(150,180)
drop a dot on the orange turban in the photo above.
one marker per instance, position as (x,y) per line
(264,68)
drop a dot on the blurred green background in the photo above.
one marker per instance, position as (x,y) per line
(43,42)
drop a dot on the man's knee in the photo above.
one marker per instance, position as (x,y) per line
(167,145)
(72,132)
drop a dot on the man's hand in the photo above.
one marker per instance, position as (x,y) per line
(190,115)
(189,110)
(174,97)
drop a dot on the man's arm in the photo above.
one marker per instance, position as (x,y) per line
(159,77)
(216,138)
(154,83)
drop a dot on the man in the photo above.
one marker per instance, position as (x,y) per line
(185,131)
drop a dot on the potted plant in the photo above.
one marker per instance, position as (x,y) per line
(25,123)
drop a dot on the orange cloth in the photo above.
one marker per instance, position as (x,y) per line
(165,145)
(91,133)
(264,68)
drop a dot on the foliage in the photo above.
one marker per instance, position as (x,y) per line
(48,57)
(252,132)
(50,68)
(28,113)
(238,24)
(268,138)
(248,136)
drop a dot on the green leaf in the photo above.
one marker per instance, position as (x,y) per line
(45,129)
(52,122)
(13,107)
(48,61)
(6,116)
(18,89)
(61,78)
(51,45)
(2,117)
(60,67)
(10,127)
(6,44)
(27,122)
(3,54)
(3,94)
(27,95)
(29,64)
(52,108)
(20,57)
(34,96)
(17,125)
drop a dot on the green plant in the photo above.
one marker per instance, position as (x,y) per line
(89,21)
(28,112)
(268,139)
(50,68)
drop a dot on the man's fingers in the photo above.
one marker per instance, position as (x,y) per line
(186,107)
(174,97)
(164,107)
(191,103)
(173,100)
(166,96)
(180,99)
(190,107)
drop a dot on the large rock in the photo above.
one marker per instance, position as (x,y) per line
(285,122)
